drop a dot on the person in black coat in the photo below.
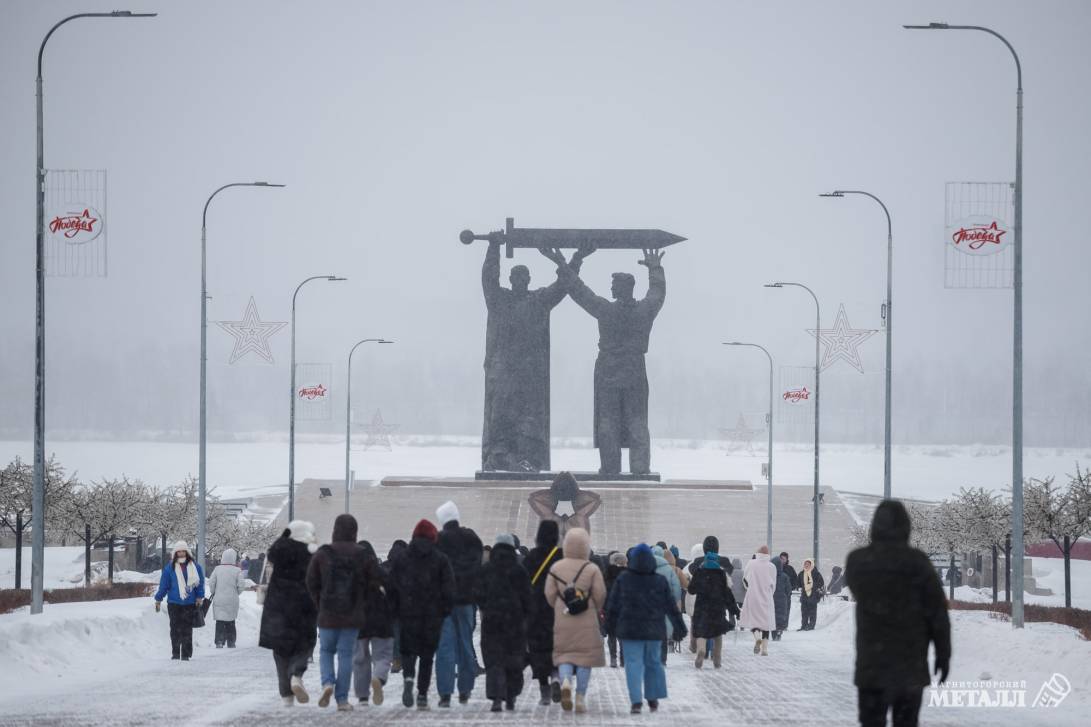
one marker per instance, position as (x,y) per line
(616,565)
(837,581)
(456,642)
(782,600)
(425,584)
(711,544)
(289,618)
(396,547)
(712,602)
(374,654)
(504,598)
(539,621)
(636,612)
(900,610)
(812,587)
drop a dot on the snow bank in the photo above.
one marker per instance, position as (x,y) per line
(76,642)
(60,564)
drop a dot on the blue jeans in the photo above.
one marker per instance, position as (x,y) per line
(341,642)
(583,675)
(643,668)
(456,648)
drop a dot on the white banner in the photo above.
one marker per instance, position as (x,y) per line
(75,223)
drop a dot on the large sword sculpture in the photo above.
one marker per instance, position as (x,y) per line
(536,237)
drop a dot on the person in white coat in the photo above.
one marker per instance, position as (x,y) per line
(223,588)
(758,612)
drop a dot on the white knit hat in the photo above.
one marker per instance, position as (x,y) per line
(180,545)
(447,512)
(302,531)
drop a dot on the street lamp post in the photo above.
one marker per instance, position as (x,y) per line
(348,414)
(291,412)
(817,371)
(202,436)
(37,515)
(1017,346)
(769,465)
(887,315)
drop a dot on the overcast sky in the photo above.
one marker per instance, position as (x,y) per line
(396,125)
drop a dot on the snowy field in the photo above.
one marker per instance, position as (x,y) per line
(248,469)
(107,663)
(63,568)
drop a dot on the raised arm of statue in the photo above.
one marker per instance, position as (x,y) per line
(657,280)
(585,297)
(555,293)
(490,273)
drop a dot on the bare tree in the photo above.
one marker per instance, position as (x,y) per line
(100,510)
(17,501)
(1062,515)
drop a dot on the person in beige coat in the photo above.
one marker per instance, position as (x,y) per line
(577,639)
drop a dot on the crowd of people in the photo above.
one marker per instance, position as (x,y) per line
(557,608)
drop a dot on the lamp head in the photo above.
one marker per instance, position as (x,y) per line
(265,184)
(835,193)
(334,278)
(773,285)
(930,26)
(383,340)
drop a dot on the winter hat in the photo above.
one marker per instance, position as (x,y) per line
(711,544)
(697,552)
(344,529)
(549,534)
(891,523)
(617,559)
(180,545)
(447,512)
(229,557)
(427,530)
(675,552)
(302,531)
(711,562)
(505,539)
(657,551)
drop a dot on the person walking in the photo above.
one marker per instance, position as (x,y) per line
(182,582)
(712,602)
(456,642)
(289,618)
(900,610)
(812,588)
(339,579)
(539,622)
(782,597)
(576,590)
(640,611)
(616,565)
(374,654)
(758,612)
(837,581)
(425,584)
(223,588)
(665,569)
(504,598)
(396,547)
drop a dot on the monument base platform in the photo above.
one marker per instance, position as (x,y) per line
(482,476)
(541,484)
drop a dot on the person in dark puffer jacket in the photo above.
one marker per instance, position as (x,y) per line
(504,597)
(425,584)
(545,553)
(900,610)
(782,598)
(289,619)
(616,566)
(636,613)
(456,642)
(712,602)
(339,579)
(374,653)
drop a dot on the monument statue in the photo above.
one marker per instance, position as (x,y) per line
(565,504)
(621,381)
(515,435)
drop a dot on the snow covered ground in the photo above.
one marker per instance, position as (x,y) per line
(1048,573)
(249,469)
(108,663)
(63,569)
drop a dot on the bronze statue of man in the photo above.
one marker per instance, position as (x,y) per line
(621,381)
(515,435)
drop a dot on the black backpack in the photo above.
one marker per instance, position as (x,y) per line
(575,599)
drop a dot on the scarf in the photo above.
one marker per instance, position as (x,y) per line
(808,582)
(187,578)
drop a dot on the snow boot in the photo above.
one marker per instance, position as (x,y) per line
(407,693)
(344,707)
(653,705)
(299,691)
(327,693)
(566,695)
(463,698)
(376,691)
(546,698)
(422,702)
(581,703)
(555,691)
(510,705)
(757,642)
(765,647)
(497,705)
(635,709)
(444,701)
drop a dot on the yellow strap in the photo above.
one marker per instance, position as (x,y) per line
(543,565)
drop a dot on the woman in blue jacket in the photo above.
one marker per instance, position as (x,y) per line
(183,584)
